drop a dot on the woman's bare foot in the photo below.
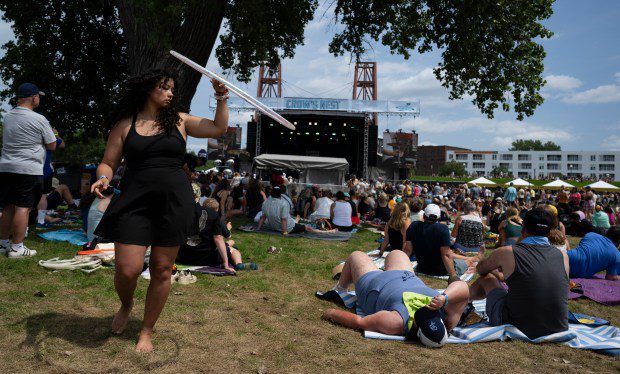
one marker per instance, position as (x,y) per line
(119,323)
(144,341)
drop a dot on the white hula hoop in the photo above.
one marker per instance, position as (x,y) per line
(234,89)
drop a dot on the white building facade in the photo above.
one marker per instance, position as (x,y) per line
(541,164)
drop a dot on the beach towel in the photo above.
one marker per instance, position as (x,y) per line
(606,292)
(596,336)
(76,237)
(335,236)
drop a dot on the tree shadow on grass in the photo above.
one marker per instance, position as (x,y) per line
(84,331)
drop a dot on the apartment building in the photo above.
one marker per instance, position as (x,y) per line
(541,164)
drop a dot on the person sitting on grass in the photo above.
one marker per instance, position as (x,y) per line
(430,242)
(396,301)
(340,213)
(536,273)
(596,253)
(395,232)
(276,215)
(382,210)
(209,247)
(59,195)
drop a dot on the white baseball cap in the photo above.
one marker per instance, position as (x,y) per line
(432,210)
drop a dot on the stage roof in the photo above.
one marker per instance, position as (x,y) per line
(399,108)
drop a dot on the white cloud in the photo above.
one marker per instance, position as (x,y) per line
(611,143)
(617,76)
(600,95)
(562,82)
(489,134)
(426,142)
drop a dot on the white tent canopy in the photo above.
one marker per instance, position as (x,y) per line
(482,181)
(319,170)
(603,186)
(519,183)
(558,184)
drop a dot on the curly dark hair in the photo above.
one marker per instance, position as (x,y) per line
(133,97)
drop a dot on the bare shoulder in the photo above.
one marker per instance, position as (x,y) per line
(121,128)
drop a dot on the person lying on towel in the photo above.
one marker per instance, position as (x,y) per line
(209,247)
(396,301)
(596,253)
(537,277)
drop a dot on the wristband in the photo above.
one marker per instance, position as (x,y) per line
(446,302)
(103,177)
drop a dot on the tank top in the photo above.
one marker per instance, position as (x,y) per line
(395,238)
(154,151)
(470,232)
(537,300)
(342,214)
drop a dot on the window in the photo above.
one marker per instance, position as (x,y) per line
(507,157)
(494,157)
(505,165)
(573,167)
(478,165)
(573,175)
(554,157)
(461,156)
(451,156)
(523,174)
(553,166)
(541,166)
(573,157)
(477,157)
(541,158)
(593,158)
(593,167)
(524,157)
(606,167)
(609,158)
(525,165)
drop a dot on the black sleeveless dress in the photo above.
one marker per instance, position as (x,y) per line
(156,204)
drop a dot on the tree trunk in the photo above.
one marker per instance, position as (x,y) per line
(150,36)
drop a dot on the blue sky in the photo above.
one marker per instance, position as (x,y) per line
(582,68)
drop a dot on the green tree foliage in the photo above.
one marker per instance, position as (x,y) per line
(74,51)
(80,50)
(488,47)
(452,169)
(534,145)
(499,171)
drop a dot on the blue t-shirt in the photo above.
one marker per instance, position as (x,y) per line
(427,240)
(594,253)
(511,194)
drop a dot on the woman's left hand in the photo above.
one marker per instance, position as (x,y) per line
(218,86)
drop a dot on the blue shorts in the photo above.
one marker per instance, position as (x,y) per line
(495,306)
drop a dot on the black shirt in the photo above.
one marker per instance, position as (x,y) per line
(427,240)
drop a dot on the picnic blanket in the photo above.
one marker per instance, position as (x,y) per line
(334,236)
(76,237)
(599,338)
(606,292)
(380,263)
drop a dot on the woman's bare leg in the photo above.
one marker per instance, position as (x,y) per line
(129,261)
(160,266)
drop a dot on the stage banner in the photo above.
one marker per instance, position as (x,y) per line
(403,108)
(400,149)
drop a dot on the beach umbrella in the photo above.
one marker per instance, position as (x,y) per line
(520,183)
(557,184)
(482,181)
(603,186)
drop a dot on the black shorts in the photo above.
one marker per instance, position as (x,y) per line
(47,184)
(21,190)
(53,200)
(298,229)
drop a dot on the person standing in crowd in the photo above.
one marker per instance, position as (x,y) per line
(25,137)
(510,195)
(156,205)
(254,197)
(469,230)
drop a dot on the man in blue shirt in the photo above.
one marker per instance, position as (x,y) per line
(596,253)
(511,194)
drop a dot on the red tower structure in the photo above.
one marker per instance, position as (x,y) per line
(269,81)
(365,81)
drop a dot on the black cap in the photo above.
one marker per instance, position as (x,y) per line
(431,330)
(538,222)
(27,90)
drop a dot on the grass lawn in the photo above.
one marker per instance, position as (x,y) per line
(259,321)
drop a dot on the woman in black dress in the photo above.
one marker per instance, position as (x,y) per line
(156,204)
